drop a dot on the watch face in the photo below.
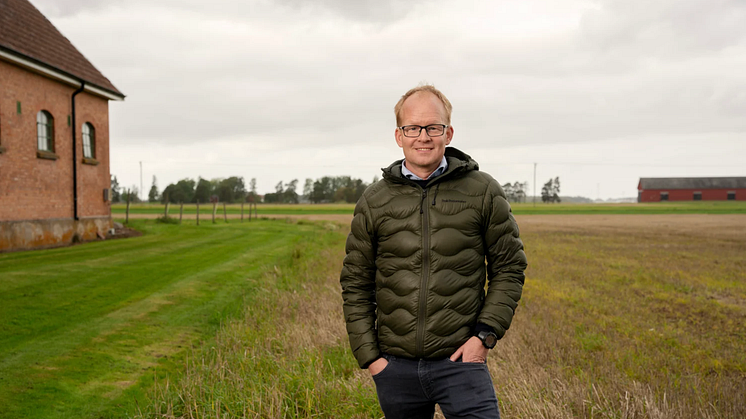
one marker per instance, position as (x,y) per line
(490,341)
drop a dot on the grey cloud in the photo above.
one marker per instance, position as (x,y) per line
(198,72)
(56,8)
(377,11)
(665,28)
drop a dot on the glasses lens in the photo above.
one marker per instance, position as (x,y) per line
(411,130)
(435,130)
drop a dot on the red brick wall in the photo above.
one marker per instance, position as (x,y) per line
(33,188)
(688,194)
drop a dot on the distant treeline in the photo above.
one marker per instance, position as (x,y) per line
(234,190)
(325,190)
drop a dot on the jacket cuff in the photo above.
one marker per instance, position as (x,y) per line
(481,327)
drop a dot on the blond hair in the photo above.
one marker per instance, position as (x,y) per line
(423,88)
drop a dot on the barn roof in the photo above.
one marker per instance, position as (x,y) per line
(29,39)
(692,183)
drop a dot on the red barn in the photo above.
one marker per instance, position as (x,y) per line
(692,189)
(54,135)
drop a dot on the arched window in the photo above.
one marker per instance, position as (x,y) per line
(89,141)
(45,131)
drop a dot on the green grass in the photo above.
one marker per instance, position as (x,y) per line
(83,329)
(702,207)
(300,209)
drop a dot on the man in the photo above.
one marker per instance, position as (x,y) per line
(413,280)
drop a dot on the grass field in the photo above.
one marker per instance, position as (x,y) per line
(83,328)
(634,316)
(702,207)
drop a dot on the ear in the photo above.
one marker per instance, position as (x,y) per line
(449,135)
(398,136)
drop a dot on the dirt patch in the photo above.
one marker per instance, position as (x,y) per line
(721,226)
(122,232)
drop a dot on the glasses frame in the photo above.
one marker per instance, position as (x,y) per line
(421,128)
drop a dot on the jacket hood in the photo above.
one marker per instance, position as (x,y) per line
(458,162)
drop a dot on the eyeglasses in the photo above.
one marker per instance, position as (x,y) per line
(433,130)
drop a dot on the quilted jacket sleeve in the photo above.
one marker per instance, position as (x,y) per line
(358,280)
(506,261)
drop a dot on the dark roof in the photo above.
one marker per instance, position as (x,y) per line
(692,183)
(25,31)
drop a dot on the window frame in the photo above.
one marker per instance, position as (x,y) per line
(45,131)
(88,132)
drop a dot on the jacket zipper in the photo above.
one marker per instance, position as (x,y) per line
(420,339)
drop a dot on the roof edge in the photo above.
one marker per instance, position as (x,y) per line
(56,74)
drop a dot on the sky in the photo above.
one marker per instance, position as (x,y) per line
(597,92)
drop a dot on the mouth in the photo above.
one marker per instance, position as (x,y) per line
(423,149)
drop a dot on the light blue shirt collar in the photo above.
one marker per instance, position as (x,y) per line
(439,171)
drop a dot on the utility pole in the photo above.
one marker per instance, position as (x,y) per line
(534,184)
(141,180)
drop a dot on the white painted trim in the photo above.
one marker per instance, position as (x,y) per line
(56,75)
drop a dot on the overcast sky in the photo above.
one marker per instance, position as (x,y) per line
(599,93)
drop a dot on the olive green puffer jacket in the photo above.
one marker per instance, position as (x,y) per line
(414,275)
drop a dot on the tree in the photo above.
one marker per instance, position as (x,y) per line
(322,190)
(252,195)
(153,194)
(515,192)
(230,190)
(327,189)
(290,196)
(277,196)
(133,193)
(308,187)
(181,191)
(115,195)
(550,191)
(203,191)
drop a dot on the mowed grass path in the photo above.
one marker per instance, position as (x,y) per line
(83,328)
(205,210)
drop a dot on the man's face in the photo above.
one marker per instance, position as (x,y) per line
(423,153)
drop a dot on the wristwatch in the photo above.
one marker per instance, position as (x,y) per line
(489,339)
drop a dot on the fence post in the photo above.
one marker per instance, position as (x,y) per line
(214,210)
(127,217)
(198,212)
(225,214)
(181,212)
(165,211)
(241,211)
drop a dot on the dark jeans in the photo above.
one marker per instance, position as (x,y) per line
(409,389)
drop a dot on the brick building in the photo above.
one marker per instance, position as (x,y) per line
(692,189)
(54,135)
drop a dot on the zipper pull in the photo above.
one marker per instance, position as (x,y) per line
(422,202)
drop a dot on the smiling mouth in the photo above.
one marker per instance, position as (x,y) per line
(423,149)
